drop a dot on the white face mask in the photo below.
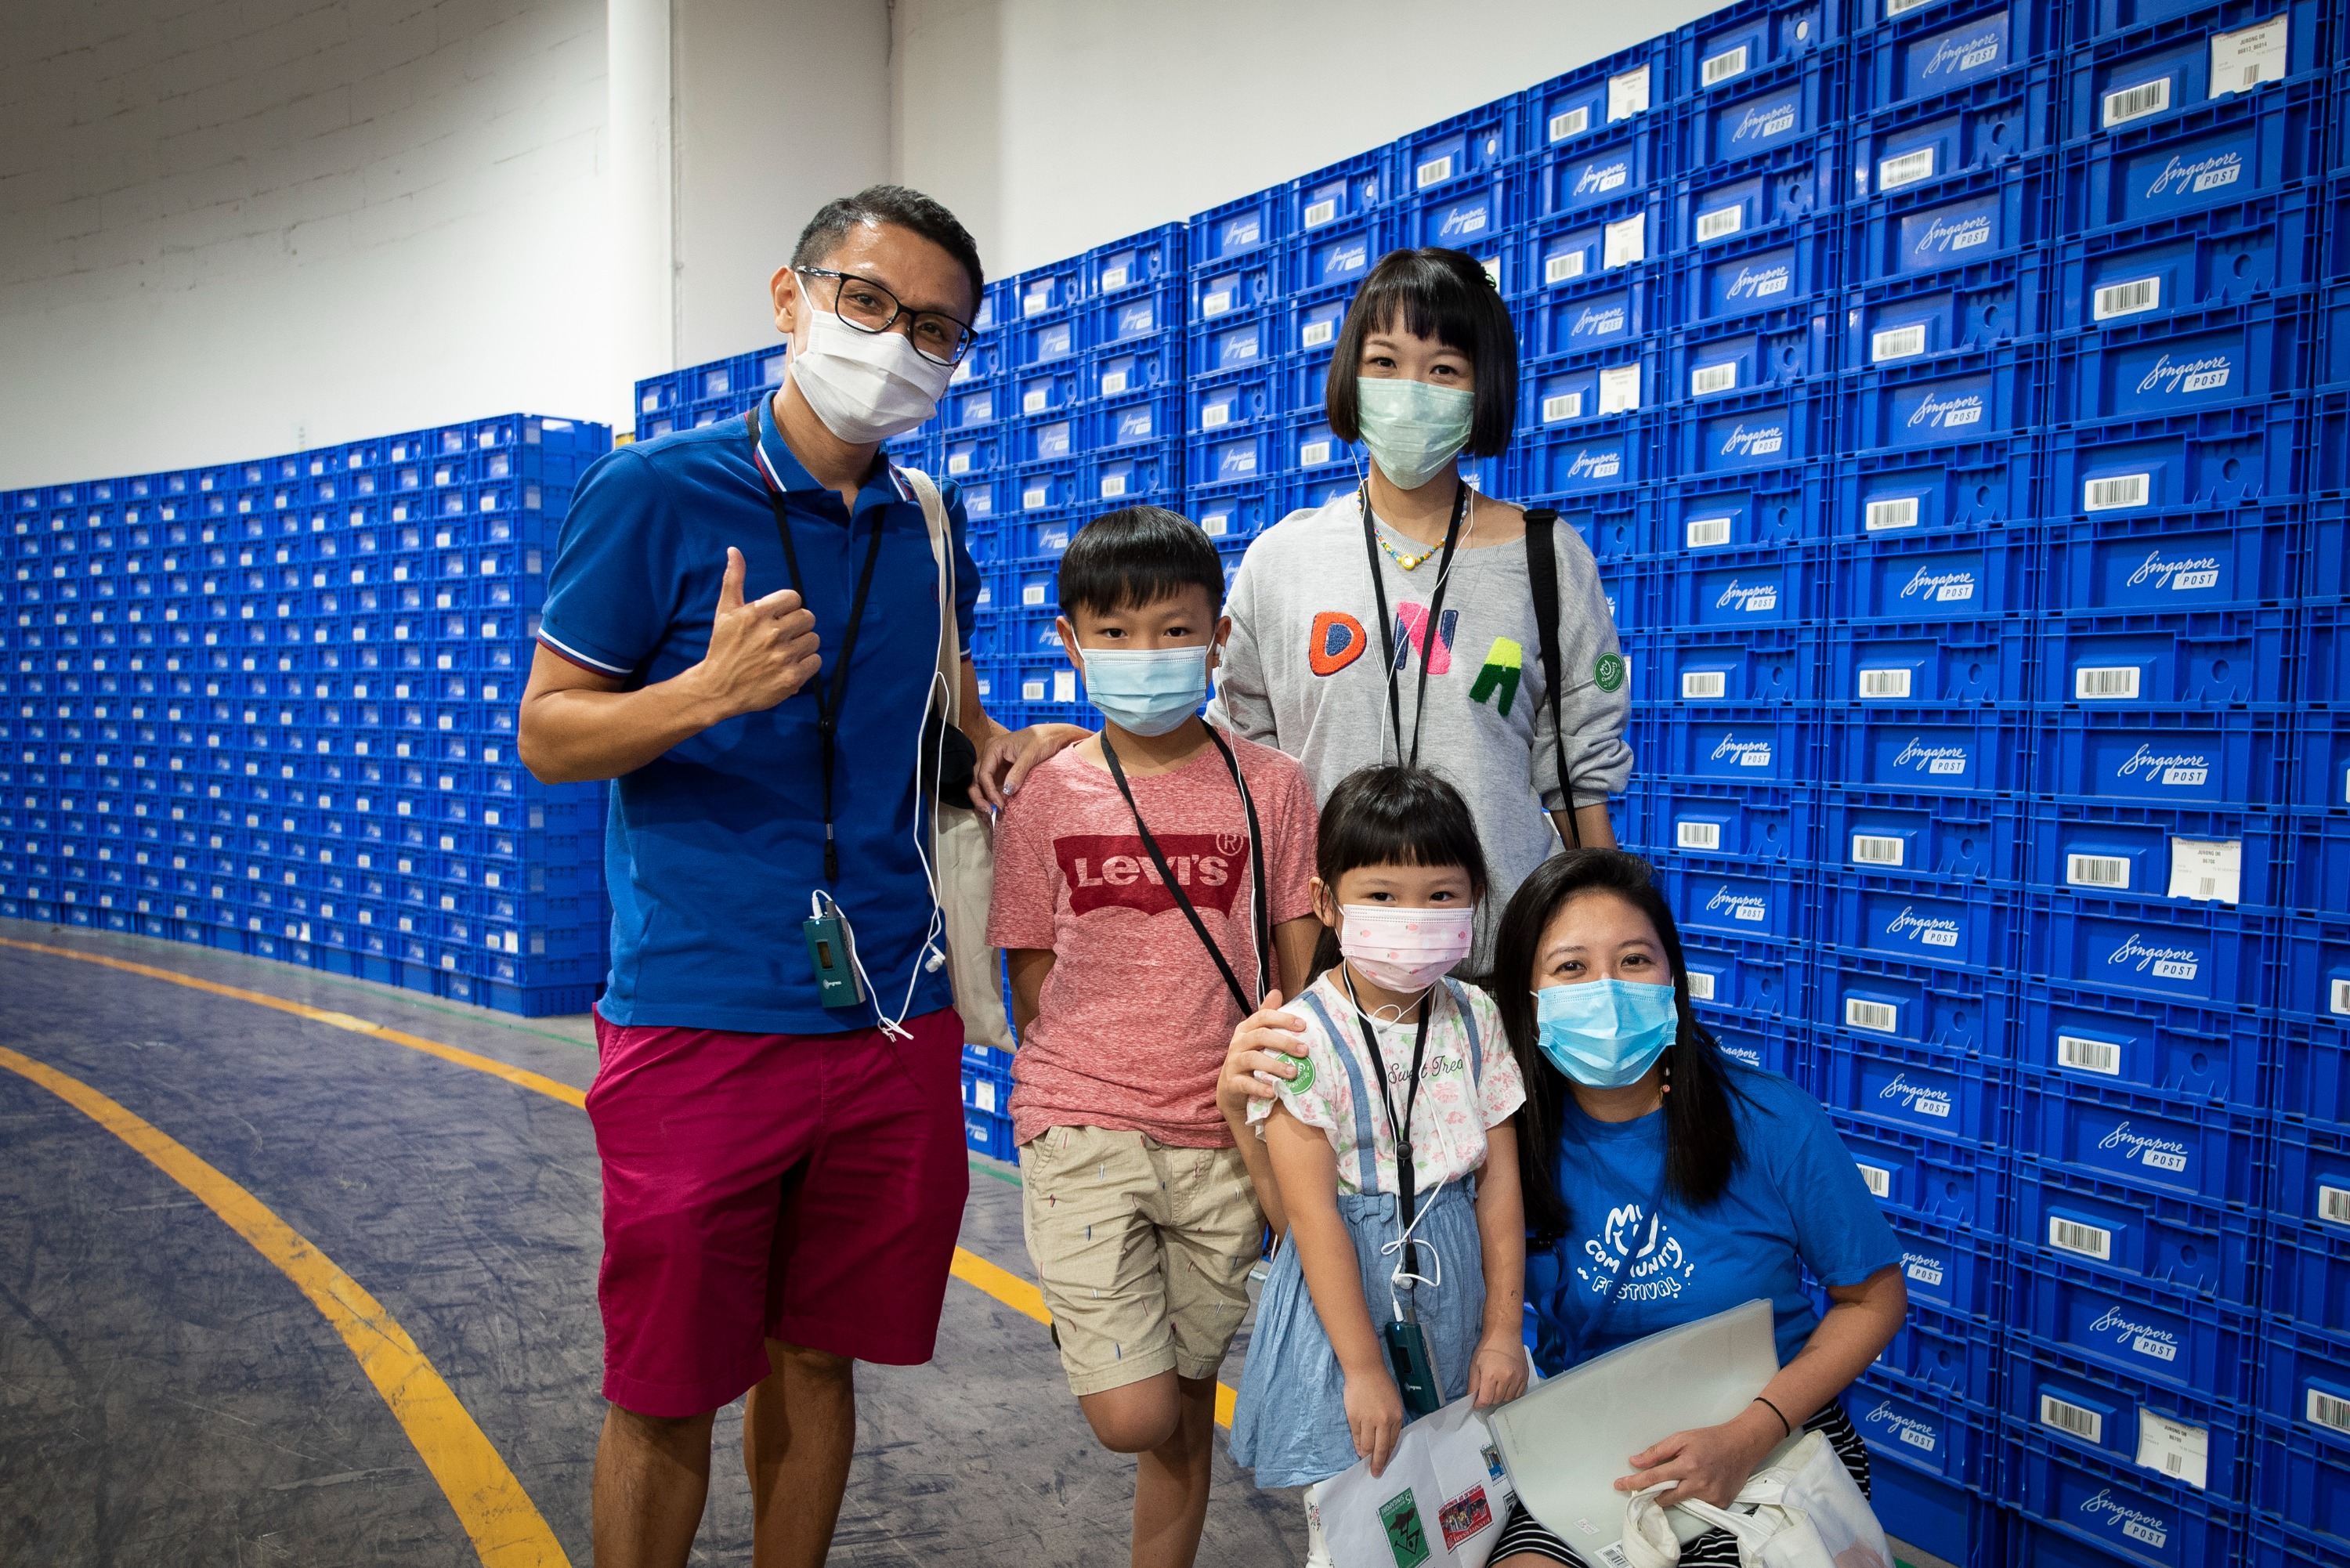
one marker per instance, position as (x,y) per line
(1403,948)
(864,386)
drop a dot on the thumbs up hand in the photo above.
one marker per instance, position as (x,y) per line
(760,653)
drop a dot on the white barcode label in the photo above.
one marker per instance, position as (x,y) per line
(1569,122)
(1877,849)
(1433,170)
(1215,523)
(1896,343)
(1614,1556)
(2173,1447)
(1701,985)
(2333,1204)
(1699,836)
(1704,685)
(1216,302)
(1065,686)
(1901,7)
(1318,333)
(2121,489)
(1113,382)
(983,1094)
(1035,498)
(1113,485)
(959,463)
(1906,169)
(2126,104)
(2084,1054)
(1881,1017)
(1561,406)
(2338,992)
(1563,266)
(1885,683)
(1320,212)
(1893,512)
(2140,293)
(1035,400)
(1619,389)
(1032,593)
(1720,377)
(1704,532)
(2207,870)
(1032,690)
(1314,453)
(2097,870)
(2093,682)
(1721,221)
(1115,277)
(1627,95)
(1624,243)
(1215,414)
(1877,1178)
(2071,1236)
(2069,1417)
(1721,68)
(2328,1410)
(2242,60)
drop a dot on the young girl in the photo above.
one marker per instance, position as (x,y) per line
(1384,1044)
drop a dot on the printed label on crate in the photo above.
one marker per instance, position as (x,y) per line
(1707,380)
(2083,1054)
(1929,414)
(1905,169)
(1953,235)
(2242,60)
(1932,759)
(2144,1338)
(2159,377)
(1593,322)
(2117,491)
(1596,467)
(1885,514)
(1730,753)
(2139,1146)
(2328,1410)
(1877,1178)
(1705,533)
(1882,685)
(1746,129)
(1927,1099)
(1903,342)
(1689,835)
(1876,1016)
(2208,870)
(2073,1420)
(2137,101)
(2162,180)
(1569,122)
(2106,683)
(1700,984)
(1740,907)
(1951,59)
(1559,407)
(2178,1450)
(1920,587)
(2097,871)
(1915,927)
(1904,1428)
(2127,1516)
(2145,959)
(2079,1236)
(2338,994)
(1114,379)
(1626,242)
(1754,440)
(1717,69)
(1721,223)
(1628,94)
(2133,297)
(1619,389)
(1567,262)
(1737,596)
(1598,179)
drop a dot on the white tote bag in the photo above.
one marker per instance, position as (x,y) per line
(1441,1503)
(1803,1510)
(963,842)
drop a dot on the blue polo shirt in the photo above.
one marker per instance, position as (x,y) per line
(712,848)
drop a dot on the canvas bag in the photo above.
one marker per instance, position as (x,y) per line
(1801,1510)
(1442,1502)
(963,841)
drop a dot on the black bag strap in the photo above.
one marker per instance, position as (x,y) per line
(1260,896)
(1541,573)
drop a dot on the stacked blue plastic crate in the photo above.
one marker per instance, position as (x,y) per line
(269,707)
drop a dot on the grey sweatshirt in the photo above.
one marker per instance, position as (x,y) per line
(1302,673)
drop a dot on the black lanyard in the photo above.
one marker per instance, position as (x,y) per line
(1260,908)
(1428,634)
(827,705)
(1405,1178)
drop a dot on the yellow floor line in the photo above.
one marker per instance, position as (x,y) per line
(969,1267)
(504,1525)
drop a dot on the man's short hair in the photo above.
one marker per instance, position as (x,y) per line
(899,207)
(1136,556)
(1440,294)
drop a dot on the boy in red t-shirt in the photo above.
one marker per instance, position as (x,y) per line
(1152,887)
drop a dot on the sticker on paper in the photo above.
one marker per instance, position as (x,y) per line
(2173,1447)
(2207,870)
(2242,60)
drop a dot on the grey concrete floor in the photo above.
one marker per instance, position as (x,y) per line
(167,1397)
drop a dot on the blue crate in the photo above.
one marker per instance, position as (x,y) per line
(1135,421)
(1754,270)
(1248,339)
(2189,1149)
(1910,665)
(1767,1045)
(1249,454)
(1786,115)
(2134,564)
(1612,457)
(1339,252)
(1589,101)
(1054,287)
(2300,1474)
(1947,1352)
(2134,74)
(2323,649)
(1569,257)
(2219,154)
(2184,760)
(2143,1045)
(1731,668)
(1237,228)
(989,1134)
(1932,54)
(1720,53)
(1869,999)
(2164,366)
(1970,397)
(1974,127)
(1598,179)
(2128,852)
(1743,509)
(1743,822)
(1049,391)
(1910,919)
(1566,394)
(1929,752)
(2071,1406)
(1312,490)
(1765,586)
(1152,365)
(2200,955)
(1458,151)
(1138,261)
(1238,511)
(1345,195)
(2315,857)
(1784,348)
(1965,222)
(1954,1521)
(976,455)
(2281,1543)
(1049,340)
(1749,904)
(2308,1270)
(2325,574)
(1953,1269)
(1141,474)
(1300,384)
(2178,1338)
(1746,978)
(1957,836)
(2313,1169)
(1773,428)
(1965,575)
(2150,661)
(1475,214)
(1907,322)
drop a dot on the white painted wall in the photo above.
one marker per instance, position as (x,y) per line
(1051,126)
(232,227)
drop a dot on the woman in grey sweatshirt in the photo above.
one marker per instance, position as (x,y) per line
(1342,671)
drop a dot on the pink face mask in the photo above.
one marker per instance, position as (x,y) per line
(1404,948)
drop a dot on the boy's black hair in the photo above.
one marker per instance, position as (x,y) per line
(1138,556)
(1392,815)
(1701,1131)
(1444,295)
(900,207)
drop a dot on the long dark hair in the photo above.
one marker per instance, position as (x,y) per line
(1390,816)
(1701,1132)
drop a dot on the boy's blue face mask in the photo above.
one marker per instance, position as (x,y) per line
(1146,690)
(1605,1033)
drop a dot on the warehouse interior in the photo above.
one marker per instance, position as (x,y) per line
(1953,396)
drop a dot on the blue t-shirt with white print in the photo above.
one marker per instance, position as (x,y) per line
(1796,1201)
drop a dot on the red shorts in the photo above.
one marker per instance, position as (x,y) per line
(802,1187)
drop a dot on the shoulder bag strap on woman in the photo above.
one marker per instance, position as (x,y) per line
(1541,573)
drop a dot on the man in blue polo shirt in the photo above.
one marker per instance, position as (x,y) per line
(741,629)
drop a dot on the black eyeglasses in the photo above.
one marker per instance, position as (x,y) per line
(869,308)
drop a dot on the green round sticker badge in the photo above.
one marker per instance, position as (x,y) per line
(1305,1079)
(1609,671)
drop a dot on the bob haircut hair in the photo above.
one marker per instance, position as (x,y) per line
(1136,556)
(1701,1132)
(1391,816)
(1445,295)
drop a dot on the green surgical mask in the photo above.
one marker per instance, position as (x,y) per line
(1414,430)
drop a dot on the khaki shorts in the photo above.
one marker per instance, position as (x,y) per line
(1143,1249)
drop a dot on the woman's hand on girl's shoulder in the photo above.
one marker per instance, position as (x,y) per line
(1268,1040)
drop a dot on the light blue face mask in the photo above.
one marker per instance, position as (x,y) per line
(1604,1034)
(1146,690)
(1414,430)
